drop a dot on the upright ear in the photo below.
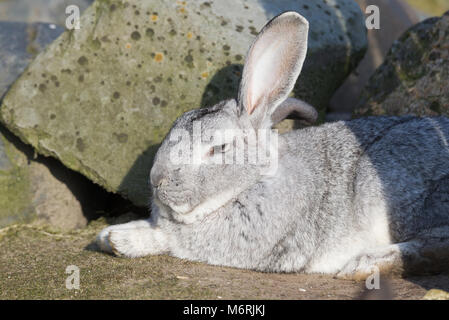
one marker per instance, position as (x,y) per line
(272,66)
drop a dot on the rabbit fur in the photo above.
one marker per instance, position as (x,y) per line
(345,198)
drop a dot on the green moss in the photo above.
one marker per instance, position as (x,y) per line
(15,196)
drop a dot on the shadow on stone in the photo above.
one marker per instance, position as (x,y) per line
(223,85)
(94,200)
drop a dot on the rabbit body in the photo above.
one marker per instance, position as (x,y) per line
(341,189)
(346,196)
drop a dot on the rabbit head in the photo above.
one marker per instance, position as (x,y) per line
(205,159)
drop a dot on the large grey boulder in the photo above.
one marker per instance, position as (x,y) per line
(101,98)
(414,79)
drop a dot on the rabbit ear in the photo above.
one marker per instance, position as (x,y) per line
(294,109)
(272,66)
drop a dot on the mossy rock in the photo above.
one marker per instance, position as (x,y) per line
(414,79)
(15,194)
(33,188)
(100,99)
(30,190)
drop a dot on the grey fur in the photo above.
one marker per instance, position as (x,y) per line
(347,196)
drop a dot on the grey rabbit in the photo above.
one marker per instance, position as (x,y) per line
(346,197)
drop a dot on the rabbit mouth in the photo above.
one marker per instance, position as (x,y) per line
(187,214)
(179,203)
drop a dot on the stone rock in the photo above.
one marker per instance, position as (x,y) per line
(30,192)
(396,16)
(34,188)
(436,294)
(101,98)
(414,79)
(19,43)
(29,11)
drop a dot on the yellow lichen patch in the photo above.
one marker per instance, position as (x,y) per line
(204,75)
(154,17)
(128,45)
(189,35)
(158,57)
(182,10)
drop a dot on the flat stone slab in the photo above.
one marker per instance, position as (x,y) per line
(100,99)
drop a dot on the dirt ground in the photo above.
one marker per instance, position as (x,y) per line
(33,262)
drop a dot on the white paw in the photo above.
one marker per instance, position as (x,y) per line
(132,239)
(121,240)
(127,243)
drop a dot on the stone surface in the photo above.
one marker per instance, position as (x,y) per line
(19,43)
(33,263)
(29,191)
(29,11)
(102,98)
(414,79)
(14,185)
(36,188)
(396,16)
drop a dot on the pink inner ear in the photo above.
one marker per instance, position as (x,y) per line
(251,106)
(273,63)
(265,69)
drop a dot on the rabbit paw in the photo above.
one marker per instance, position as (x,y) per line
(127,243)
(128,239)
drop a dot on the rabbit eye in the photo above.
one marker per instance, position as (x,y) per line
(219,149)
